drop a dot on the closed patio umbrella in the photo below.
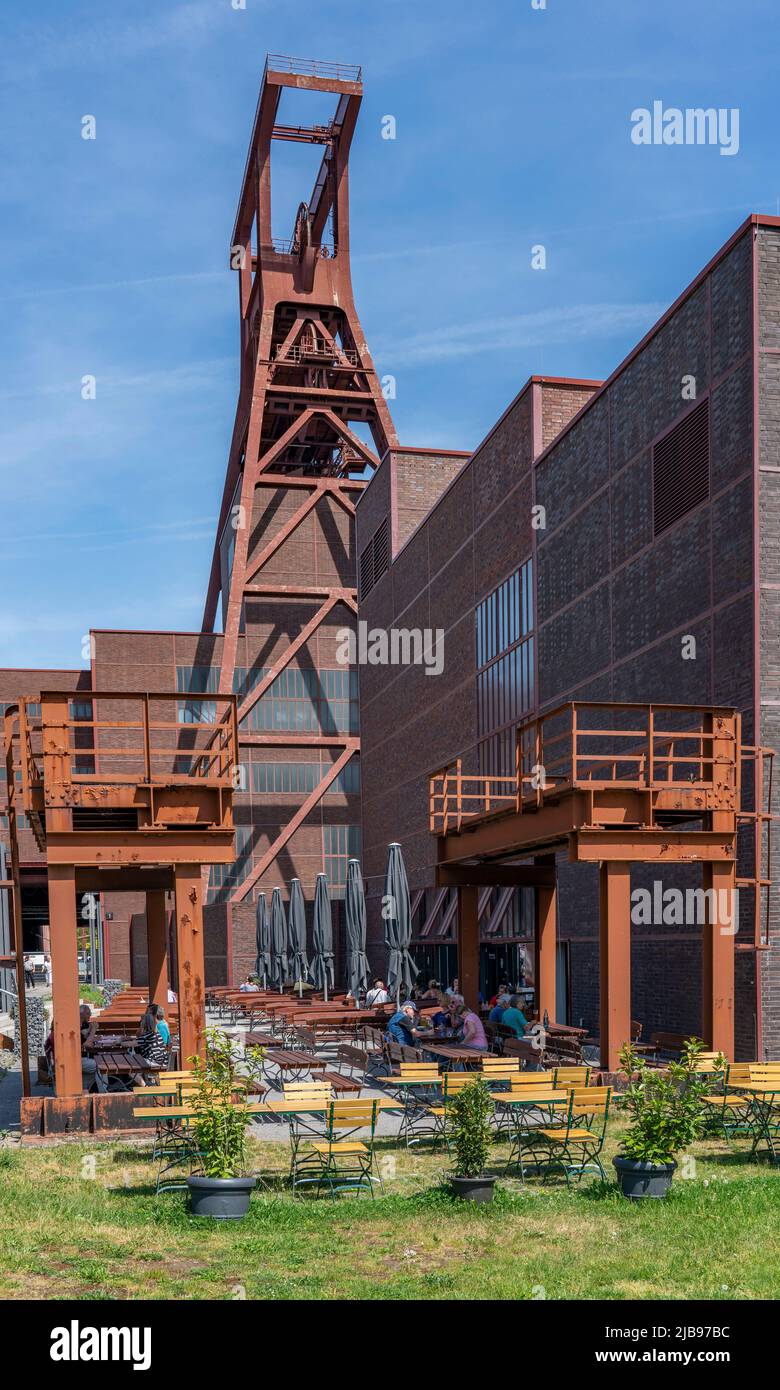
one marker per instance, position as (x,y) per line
(279,970)
(397,912)
(322,965)
(355,911)
(299,962)
(262,940)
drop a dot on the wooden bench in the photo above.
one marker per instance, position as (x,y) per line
(339,1083)
(668,1043)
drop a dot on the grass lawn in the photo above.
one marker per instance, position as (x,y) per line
(82,1222)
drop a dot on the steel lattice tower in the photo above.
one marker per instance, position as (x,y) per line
(284,558)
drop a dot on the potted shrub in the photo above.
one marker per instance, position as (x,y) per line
(666,1116)
(468,1124)
(223,1189)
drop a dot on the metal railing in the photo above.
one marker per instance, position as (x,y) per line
(589,745)
(123,738)
(316,347)
(313,67)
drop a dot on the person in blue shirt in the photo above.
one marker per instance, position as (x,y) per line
(400,1028)
(496,1014)
(162,1026)
(514,1017)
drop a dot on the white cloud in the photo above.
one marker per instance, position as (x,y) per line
(519,331)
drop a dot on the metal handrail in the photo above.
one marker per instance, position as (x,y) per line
(312,67)
(648,768)
(215,762)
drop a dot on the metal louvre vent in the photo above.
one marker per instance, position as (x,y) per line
(681,468)
(375,560)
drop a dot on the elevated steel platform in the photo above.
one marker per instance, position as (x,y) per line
(131,792)
(614,784)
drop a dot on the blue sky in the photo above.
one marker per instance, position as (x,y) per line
(513,129)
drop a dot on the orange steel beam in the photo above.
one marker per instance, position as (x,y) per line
(65,981)
(546,944)
(468,945)
(12,713)
(191,961)
(614,961)
(157,947)
(718,881)
(284,740)
(720,930)
(291,480)
(297,819)
(139,848)
(652,846)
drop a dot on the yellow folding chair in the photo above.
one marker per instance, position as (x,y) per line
(417,1100)
(340,1164)
(575,1146)
(572,1078)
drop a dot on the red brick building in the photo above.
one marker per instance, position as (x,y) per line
(606,542)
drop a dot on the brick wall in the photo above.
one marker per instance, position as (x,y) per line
(768,254)
(613,601)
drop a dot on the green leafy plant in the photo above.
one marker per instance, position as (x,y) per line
(664,1104)
(468,1122)
(222,1080)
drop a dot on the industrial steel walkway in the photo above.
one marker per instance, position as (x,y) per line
(129,793)
(614,784)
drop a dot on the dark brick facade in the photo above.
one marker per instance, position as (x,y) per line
(613,600)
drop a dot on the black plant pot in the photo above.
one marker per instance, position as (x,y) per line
(638,1179)
(223,1199)
(478,1190)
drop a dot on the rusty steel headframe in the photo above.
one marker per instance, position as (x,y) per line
(306,378)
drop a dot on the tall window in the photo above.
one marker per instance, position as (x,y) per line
(200,680)
(324,701)
(282,779)
(342,843)
(225,877)
(505,668)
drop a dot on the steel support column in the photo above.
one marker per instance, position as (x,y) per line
(65,981)
(157,948)
(468,945)
(614,960)
(190,956)
(719,883)
(546,944)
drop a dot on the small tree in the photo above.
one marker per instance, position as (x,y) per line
(664,1104)
(469,1126)
(220,1104)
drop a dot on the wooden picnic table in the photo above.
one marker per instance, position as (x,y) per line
(260,1040)
(125,1064)
(290,1059)
(452,1052)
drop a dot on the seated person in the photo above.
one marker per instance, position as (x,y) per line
(514,1018)
(442,1019)
(400,1027)
(432,992)
(496,1014)
(171,996)
(472,1029)
(149,1043)
(86,1026)
(377,994)
(249,986)
(162,1026)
